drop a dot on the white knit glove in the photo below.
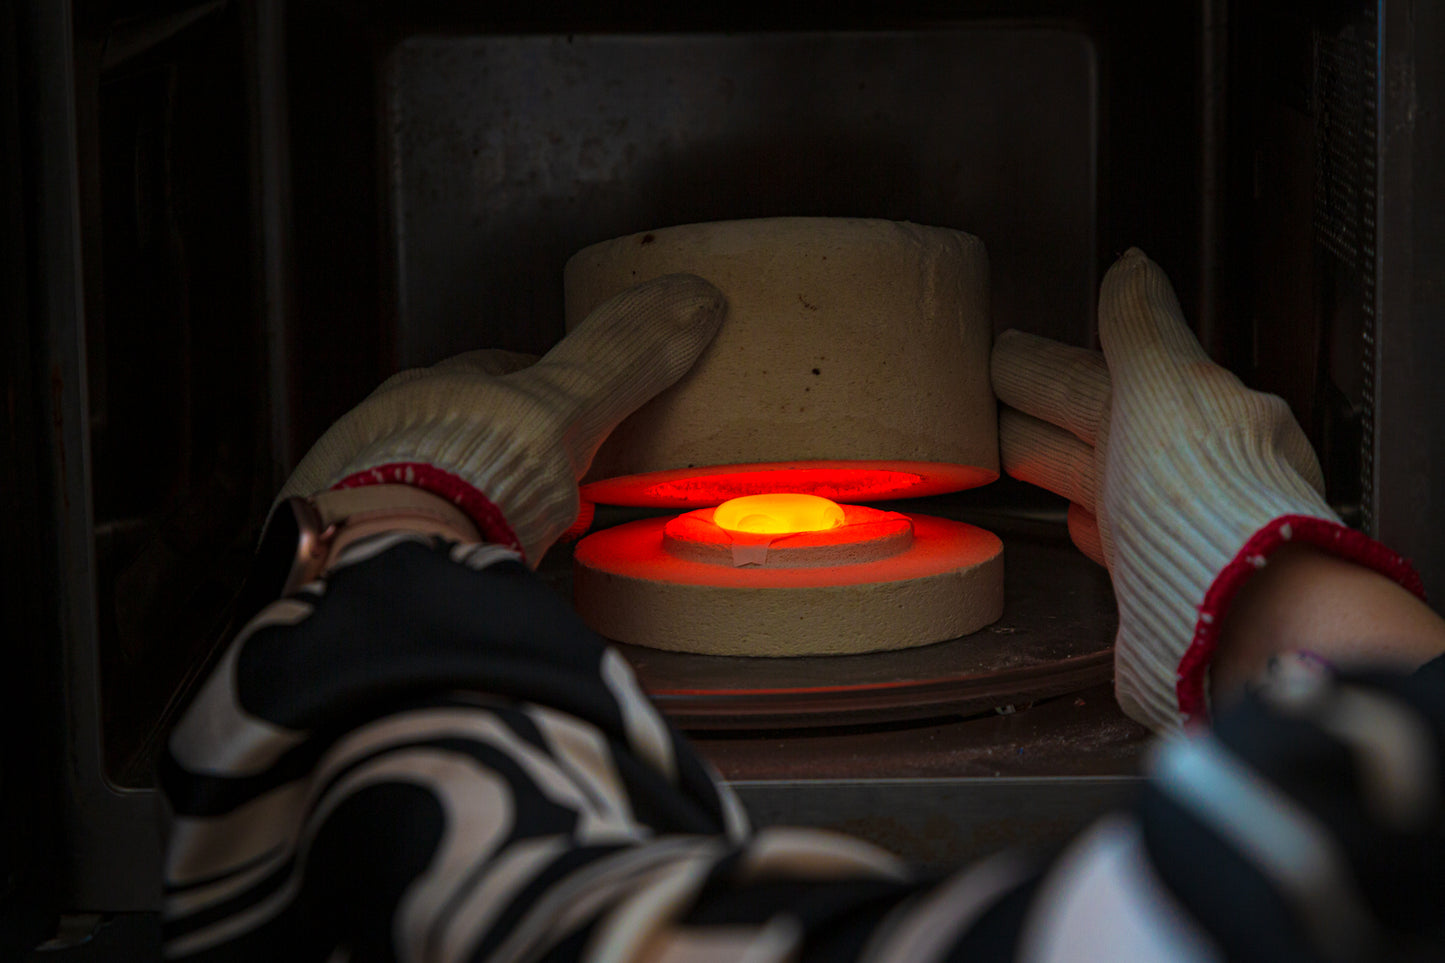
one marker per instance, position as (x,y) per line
(508,446)
(1181,479)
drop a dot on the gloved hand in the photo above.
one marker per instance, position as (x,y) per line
(1181,480)
(508,446)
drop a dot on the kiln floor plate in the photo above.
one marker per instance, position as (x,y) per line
(1055,636)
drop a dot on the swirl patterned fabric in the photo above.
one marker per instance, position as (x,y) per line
(427,757)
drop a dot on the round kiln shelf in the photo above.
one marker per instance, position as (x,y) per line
(948,581)
(1055,637)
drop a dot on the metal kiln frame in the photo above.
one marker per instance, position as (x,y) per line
(212,188)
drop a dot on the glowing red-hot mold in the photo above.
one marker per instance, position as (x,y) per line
(842,481)
(947,583)
(635,550)
(866,535)
(687,585)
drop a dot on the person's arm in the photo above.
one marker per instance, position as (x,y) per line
(426,756)
(1199,495)
(1307,604)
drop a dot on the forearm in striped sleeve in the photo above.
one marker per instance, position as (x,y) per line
(428,758)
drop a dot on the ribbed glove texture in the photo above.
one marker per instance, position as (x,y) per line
(1171,464)
(520,438)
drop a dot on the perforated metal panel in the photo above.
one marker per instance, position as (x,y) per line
(1344,109)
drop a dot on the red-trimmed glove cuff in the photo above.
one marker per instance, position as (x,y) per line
(1329,536)
(488,517)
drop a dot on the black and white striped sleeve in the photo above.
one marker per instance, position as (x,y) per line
(428,757)
(1306,826)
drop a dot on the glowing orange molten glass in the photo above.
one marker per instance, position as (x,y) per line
(778,513)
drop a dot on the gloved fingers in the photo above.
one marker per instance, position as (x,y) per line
(1142,329)
(1265,417)
(1062,384)
(490,362)
(1161,373)
(1084,530)
(1296,449)
(1042,454)
(627,350)
(1165,387)
(665,322)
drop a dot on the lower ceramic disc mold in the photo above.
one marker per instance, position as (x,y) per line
(882,580)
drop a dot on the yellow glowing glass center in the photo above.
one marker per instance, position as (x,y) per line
(778,513)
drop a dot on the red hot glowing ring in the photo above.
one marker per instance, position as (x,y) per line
(841,481)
